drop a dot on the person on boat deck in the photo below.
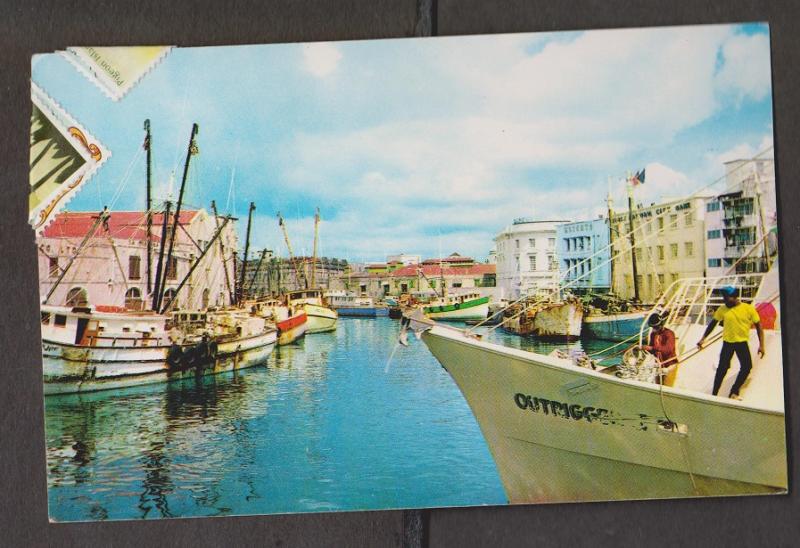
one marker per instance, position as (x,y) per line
(737,319)
(662,346)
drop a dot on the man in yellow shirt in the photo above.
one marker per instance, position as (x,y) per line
(737,319)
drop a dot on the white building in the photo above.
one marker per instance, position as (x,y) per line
(737,219)
(526,257)
(403,259)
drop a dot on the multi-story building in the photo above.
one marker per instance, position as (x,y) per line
(526,257)
(111,269)
(739,218)
(278,275)
(670,244)
(584,256)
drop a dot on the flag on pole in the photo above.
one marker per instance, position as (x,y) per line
(638,179)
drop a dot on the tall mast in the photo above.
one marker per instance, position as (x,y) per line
(190,151)
(222,252)
(254,277)
(282,224)
(240,295)
(149,206)
(610,204)
(160,265)
(100,218)
(632,240)
(314,258)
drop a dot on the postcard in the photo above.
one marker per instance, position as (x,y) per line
(408,273)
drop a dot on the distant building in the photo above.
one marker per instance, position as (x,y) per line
(111,270)
(278,275)
(404,259)
(737,219)
(670,244)
(526,257)
(584,256)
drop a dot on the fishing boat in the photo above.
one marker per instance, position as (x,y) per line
(562,432)
(553,319)
(87,349)
(290,322)
(613,326)
(321,318)
(349,304)
(460,307)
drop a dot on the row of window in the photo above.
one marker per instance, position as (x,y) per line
(551,243)
(134,268)
(660,251)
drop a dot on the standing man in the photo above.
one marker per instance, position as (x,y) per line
(662,346)
(737,319)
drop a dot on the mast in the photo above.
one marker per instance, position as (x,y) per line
(257,272)
(170,304)
(159,267)
(282,224)
(190,151)
(632,240)
(240,294)
(148,140)
(222,251)
(314,257)
(101,218)
(610,204)
(761,218)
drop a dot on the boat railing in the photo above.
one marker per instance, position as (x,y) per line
(132,341)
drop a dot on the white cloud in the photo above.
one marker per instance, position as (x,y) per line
(321,58)
(746,69)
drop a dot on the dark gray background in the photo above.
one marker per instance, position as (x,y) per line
(44,26)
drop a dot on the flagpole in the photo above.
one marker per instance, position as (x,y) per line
(632,239)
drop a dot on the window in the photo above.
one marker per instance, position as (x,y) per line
(674,276)
(133,299)
(649,227)
(661,280)
(552,264)
(714,263)
(532,259)
(54,270)
(551,242)
(169,296)
(714,234)
(660,253)
(77,297)
(712,206)
(60,320)
(688,248)
(673,250)
(45,318)
(687,218)
(205,298)
(650,282)
(456,284)
(673,221)
(661,223)
(172,268)
(532,242)
(516,242)
(134,267)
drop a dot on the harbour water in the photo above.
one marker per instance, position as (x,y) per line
(328,424)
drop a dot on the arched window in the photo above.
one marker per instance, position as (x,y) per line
(77,296)
(133,299)
(169,296)
(206,295)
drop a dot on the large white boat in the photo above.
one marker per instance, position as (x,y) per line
(561,432)
(85,349)
(321,317)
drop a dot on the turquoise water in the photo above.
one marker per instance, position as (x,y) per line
(326,425)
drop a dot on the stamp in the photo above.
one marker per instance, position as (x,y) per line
(115,70)
(63,156)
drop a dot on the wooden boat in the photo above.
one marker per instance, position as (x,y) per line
(321,318)
(462,307)
(560,432)
(290,322)
(561,319)
(613,326)
(85,349)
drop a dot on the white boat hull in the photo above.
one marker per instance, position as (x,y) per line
(559,321)
(479,312)
(70,369)
(320,319)
(561,433)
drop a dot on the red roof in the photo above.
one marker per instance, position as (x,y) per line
(122,225)
(478,269)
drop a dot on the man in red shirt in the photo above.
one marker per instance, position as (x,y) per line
(662,346)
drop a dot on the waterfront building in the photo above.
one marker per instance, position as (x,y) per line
(111,269)
(738,218)
(670,245)
(278,275)
(584,256)
(526,257)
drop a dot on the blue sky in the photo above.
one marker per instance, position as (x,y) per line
(432,144)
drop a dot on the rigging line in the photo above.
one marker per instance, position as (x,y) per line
(125,177)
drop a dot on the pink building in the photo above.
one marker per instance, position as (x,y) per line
(112,267)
